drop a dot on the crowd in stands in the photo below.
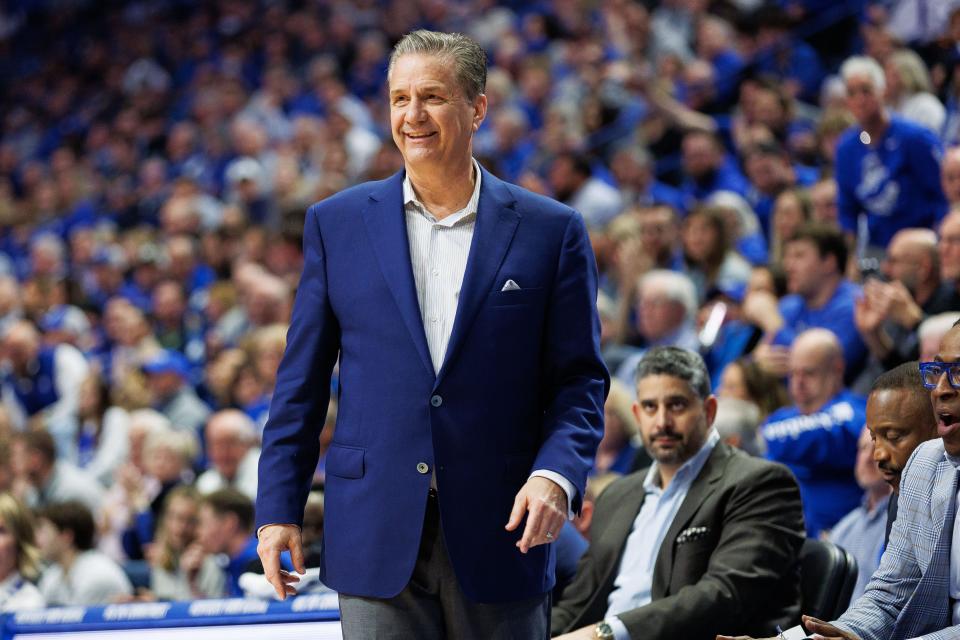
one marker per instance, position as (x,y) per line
(775,185)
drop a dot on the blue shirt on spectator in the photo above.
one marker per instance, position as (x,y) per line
(821,450)
(726,178)
(836,315)
(895,181)
(862,533)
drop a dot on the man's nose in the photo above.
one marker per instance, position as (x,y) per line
(880,452)
(415,111)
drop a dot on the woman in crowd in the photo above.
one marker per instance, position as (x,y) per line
(19,558)
(711,261)
(745,380)
(102,442)
(790,210)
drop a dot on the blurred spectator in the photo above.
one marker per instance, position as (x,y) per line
(712,263)
(129,493)
(633,169)
(168,378)
(225,529)
(78,574)
(888,169)
(931,332)
(736,422)
(166,465)
(744,380)
(231,438)
(948,249)
(102,441)
(19,558)
(617,450)
(52,479)
(823,202)
(707,168)
(814,259)
(861,532)
(574,184)
(42,385)
(909,90)
(666,312)
(950,177)
(817,436)
(179,568)
(791,211)
(888,313)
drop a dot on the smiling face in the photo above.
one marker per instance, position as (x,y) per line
(946,399)
(431,118)
(673,420)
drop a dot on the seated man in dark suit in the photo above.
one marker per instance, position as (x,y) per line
(706,538)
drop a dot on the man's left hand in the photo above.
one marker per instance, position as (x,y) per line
(545,504)
(583,633)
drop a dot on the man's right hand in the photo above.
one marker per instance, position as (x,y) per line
(273,540)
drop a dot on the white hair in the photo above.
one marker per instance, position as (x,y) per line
(937,326)
(676,286)
(857,66)
(736,417)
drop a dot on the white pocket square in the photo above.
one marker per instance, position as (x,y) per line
(510,285)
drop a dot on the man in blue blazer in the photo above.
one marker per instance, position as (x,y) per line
(471,389)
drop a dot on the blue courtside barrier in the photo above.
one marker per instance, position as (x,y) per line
(313,616)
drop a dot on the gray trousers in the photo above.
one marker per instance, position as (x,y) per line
(432,606)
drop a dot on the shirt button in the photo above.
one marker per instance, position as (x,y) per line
(436,272)
(423,468)
(436,401)
(433,319)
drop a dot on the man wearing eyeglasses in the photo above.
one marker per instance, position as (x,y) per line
(916,590)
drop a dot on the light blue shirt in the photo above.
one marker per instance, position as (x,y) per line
(861,532)
(632,587)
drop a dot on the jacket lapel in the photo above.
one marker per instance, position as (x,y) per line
(387,228)
(613,542)
(701,489)
(497,221)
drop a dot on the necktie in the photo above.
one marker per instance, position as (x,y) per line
(929,608)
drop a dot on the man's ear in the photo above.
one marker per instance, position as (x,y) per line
(710,409)
(479,111)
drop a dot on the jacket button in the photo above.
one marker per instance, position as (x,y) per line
(423,468)
(436,401)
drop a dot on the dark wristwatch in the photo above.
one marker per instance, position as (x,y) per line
(603,631)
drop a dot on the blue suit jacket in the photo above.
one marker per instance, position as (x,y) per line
(898,604)
(522,387)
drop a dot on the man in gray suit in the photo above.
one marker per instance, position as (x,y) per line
(706,539)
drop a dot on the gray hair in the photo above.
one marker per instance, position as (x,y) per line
(468,58)
(679,363)
(864,66)
(736,417)
(674,286)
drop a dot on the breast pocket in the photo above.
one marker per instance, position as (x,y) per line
(517,297)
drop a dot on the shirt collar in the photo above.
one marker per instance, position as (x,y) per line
(410,197)
(688,471)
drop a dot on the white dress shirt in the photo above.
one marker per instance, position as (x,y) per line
(438,256)
(634,581)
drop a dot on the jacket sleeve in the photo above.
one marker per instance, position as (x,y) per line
(759,545)
(577,380)
(291,437)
